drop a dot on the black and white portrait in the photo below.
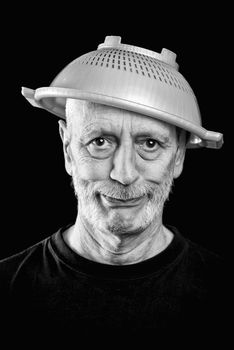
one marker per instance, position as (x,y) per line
(114,217)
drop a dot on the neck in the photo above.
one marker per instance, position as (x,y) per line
(117,249)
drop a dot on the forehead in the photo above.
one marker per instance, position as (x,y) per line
(85,116)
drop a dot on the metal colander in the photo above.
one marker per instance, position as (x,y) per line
(131,78)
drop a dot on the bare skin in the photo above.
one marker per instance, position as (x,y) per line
(114,156)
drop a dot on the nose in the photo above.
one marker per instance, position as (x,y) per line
(124,168)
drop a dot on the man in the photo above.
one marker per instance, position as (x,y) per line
(118,270)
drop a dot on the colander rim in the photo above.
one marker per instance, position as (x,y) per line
(201,136)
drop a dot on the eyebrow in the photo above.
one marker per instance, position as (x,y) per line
(153,134)
(91,131)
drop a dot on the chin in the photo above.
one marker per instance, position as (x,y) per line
(118,225)
(120,230)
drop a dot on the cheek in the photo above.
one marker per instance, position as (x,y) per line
(155,170)
(93,169)
(88,168)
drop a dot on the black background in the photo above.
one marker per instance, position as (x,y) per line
(37,43)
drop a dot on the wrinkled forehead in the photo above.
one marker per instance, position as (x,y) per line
(84,114)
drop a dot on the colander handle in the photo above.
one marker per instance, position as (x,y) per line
(29,95)
(210,139)
(213,139)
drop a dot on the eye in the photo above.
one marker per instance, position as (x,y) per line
(151,143)
(101,147)
(148,148)
(100,142)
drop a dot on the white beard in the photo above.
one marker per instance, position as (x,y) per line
(93,213)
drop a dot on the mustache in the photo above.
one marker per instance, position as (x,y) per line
(118,191)
(110,188)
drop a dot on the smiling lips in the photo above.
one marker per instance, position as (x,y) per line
(121,202)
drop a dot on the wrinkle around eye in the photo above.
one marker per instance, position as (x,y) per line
(141,145)
(149,154)
(102,151)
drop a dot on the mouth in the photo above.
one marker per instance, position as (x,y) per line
(116,202)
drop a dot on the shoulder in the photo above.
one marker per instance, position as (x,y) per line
(204,257)
(205,270)
(195,255)
(25,260)
(200,268)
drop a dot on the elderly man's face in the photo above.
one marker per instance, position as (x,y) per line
(122,165)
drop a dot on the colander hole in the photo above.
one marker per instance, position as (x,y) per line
(139,64)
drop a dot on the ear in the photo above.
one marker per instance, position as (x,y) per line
(180,154)
(66,140)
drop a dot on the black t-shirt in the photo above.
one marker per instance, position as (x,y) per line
(50,289)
